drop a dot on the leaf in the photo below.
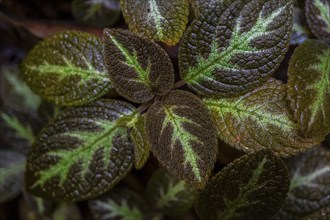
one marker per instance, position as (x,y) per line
(300,30)
(182,137)
(252,187)
(82,153)
(318,18)
(99,13)
(66,211)
(309,88)
(67,69)
(168,194)
(120,203)
(321,214)
(310,184)
(12,165)
(236,47)
(259,119)
(163,21)
(145,68)
(203,6)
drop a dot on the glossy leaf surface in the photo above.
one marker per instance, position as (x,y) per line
(183,137)
(252,187)
(309,88)
(310,184)
(12,166)
(67,69)
(120,203)
(138,68)
(170,195)
(235,47)
(160,20)
(82,153)
(259,119)
(318,18)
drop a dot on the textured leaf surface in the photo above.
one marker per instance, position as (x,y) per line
(322,214)
(310,184)
(67,69)
(12,165)
(235,47)
(120,203)
(100,13)
(169,195)
(259,119)
(318,18)
(309,88)
(183,137)
(203,6)
(160,20)
(82,153)
(252,187)
(138,68)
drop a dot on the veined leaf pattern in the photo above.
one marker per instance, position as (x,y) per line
(183,137)
(67,69)
(259,119)
(138,68)
(82,153)
(160,20)
(235,47)
(309,88)
(252,187)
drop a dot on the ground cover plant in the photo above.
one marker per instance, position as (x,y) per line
(189,110)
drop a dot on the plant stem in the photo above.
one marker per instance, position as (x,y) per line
(142,108)
(178,84)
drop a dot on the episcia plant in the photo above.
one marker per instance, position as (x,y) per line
(122,98)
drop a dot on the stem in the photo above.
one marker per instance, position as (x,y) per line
(178,84)
(142,108)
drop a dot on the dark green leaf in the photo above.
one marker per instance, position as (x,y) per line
(183,137)
(252,187)
(235,47)
(300,30)
(203,6)
(309,88)
(259,119)
(35,208)
(322,214)
(169,195)
(67,69)
(318,18)
(100,13)
(120,203)
(82,153)
(310,184)
(12,165)
(160,20)
(138,68)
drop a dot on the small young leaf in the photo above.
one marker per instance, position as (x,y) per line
(183,137)
(310,184)
(252,187)
(82,153)
(160,20)
(260,119)
(318,18)
(100,13)
(169,195)
(309,88)
(67,69)
(235,47)
(138,68)
(120,203)
(12,165)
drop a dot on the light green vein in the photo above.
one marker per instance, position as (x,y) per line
(157,17)
(324,12)
(170,194)
(298,180)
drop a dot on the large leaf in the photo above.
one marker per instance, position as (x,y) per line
(252,187)
(138,68)
(310,184)
(169,195)
(100,13)
(67,69)
(259,119)
(120,203)
(318,18)
(183,136)
(203,6)
(235,47)
(12,165)
(309,88)
(160,20)
(82,153)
